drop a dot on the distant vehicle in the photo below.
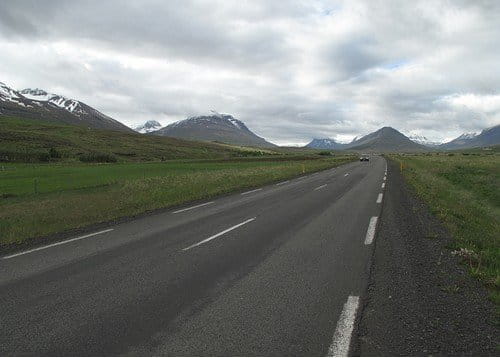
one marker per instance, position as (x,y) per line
(364,158)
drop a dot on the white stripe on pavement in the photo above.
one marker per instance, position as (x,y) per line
(251,191)
(370,233)
(283,182)
(56,244)
(379,198)
(383,185)
(219,234)
(192,207)
(343,331)
(320,187)
(346,174)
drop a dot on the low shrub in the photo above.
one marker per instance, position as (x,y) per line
(95,157)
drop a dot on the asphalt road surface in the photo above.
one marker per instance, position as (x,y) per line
(274,271)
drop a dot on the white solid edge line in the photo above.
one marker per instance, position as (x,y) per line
(370,233)
(283,182)
(379,198)
(192,207)
(56,244)
(320,187)
(251,191)
(343,331)
(383,185)
(219,234)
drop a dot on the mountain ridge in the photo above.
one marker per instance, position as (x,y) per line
(39,104)
(214,127)
(385,139)
(324,143)
(486,138)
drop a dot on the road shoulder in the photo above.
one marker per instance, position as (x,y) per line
(420,300)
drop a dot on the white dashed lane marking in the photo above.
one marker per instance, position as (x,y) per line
(192,207)
(219,234)
(57,244)
(345,326)
(251,191)
(370,233)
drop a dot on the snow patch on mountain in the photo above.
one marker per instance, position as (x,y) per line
(468,135)
(40,95)
(149,126)
(7,93)
(420,139)
(324,143)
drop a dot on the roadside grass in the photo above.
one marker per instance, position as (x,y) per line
(75,196)
(463,191)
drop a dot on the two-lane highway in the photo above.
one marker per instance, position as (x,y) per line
(277,270)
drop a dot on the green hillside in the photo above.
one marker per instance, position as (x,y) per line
(24,140)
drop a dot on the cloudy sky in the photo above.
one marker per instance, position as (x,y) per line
(291,70)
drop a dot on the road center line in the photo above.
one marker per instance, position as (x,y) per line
(383,185)
(192,207)
(379,198)
(320,187)
(370,233)
(283,182)
(56,244)
(343,331)
(251,191)
(385,177)
(219,234)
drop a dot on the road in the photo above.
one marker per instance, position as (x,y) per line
(279,270)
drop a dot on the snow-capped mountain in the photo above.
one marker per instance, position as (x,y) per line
(149,126)
(468,135)
(324,143)
(214,127)
(39,95)
(420,139)
(487,137)
(39,104)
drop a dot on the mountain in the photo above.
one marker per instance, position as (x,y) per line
(149,126)
(386,139)
(38,104)
(325,143)
(488,137)
(215,127)
(420,139)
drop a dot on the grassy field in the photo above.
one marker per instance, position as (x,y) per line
(23,140)
(462,189)
(41,199)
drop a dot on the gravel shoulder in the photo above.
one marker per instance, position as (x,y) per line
(420,300)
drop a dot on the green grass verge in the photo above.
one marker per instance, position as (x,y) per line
(462,189)
(43,199)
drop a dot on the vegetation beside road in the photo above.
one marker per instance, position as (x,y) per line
(462,189)
(42,199)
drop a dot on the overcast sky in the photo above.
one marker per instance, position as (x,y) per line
(291,70)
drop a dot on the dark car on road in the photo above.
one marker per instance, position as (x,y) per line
(364,158)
